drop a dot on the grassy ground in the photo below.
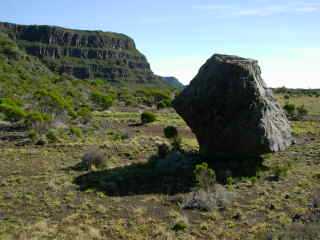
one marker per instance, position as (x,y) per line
(41,199)
(310,102)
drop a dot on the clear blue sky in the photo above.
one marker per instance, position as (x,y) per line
(178,36)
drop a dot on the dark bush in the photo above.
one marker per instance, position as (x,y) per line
(295,113)
(290,109)
(301,112)
(170,132)
(163,150)
(148,117)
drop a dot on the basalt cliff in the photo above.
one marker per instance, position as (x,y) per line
(84,54)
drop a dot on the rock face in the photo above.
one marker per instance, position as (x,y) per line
(83,54)
(231,111)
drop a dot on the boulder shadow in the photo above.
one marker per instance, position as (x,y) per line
(171,175)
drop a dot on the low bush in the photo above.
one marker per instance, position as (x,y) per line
(290,109)
(76,131)
(92,159)
(170,132)
(84,114)
(301,112)
(295,113)
(52,102)
(204,176)
(280,171)
(203,200)
(104,102)
(148,117)
(181,223)
(164,104)
(163,150)
(12,112)
(52,135)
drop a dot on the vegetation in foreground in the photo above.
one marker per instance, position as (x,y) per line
(106,180)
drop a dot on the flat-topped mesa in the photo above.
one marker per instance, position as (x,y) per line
(231,111)
(68,37)
(83,54)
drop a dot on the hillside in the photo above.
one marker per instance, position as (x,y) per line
(83,54)
(54,73)
(174,82)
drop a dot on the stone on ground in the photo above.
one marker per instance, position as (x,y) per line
(231,111)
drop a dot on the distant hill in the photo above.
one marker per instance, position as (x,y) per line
(55,71)
(174,82)
(83,54)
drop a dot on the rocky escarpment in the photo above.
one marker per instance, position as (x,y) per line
(174,82)
(83,54)
(231,111)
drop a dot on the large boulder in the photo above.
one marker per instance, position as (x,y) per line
(231,111)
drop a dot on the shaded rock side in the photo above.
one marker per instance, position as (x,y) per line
(231,111)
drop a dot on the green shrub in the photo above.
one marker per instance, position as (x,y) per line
(35,118)
(118,135)
(52,135)
(148,117)
(170,132)
(301,112)
(205,176)
(85,114)
(290,109)
(180,225)
(280,171)
(76,131)
(153,96)
(52,102)
(230,183)
(164,104)
(103,101)
(12,112)
(295,113)
(32,134)
(8,47)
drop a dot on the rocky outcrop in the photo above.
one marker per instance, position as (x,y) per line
(174,82)
(231,111)
(83,54)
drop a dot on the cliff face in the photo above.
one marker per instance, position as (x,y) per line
(83,54)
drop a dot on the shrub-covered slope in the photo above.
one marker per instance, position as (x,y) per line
(30,87)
